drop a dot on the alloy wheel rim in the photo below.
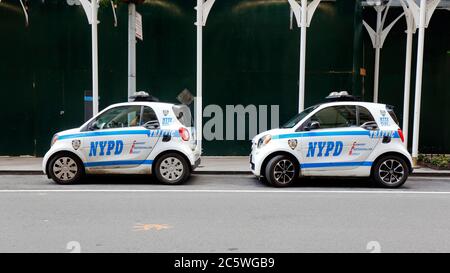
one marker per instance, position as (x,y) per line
(65,168)
(284,171)
(391,171)
(171,168)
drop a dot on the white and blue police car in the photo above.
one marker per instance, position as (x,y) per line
(342,137)
(139,137)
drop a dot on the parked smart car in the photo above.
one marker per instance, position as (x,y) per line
(341,137)
(140,137)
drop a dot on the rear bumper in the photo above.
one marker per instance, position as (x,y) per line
(196,163)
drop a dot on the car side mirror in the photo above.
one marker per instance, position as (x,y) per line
(314,125)
(370,125)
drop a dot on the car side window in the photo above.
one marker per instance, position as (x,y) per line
(149,118)
(335,117)
(117,117)
(364,115)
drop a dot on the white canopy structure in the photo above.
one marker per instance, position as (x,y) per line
(418,14)
(303,14)
(203,8)
(91,12)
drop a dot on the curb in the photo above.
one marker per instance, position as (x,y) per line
(34,172)
(26,172)
(223,172)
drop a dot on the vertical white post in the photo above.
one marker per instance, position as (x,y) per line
(199,106)
(377,54)
(131,49)
(376,74)
(418,92)
(301,82)
(409,40)
(94,58)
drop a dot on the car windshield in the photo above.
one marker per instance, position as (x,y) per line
(297,118)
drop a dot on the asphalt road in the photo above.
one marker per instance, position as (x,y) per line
(222,214)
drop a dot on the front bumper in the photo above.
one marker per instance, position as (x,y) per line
(252,165)
(254,162)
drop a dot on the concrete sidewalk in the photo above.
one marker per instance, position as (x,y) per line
(209,165)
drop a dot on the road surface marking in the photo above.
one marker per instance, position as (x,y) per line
(231,191)
(145,227)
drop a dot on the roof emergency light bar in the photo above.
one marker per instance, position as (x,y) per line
(143,96)
(340,96)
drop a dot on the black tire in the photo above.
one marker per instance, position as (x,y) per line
(65,169)
(390,171)
(281,171)
(172,169)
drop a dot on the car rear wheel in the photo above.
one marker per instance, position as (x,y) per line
(65,169)
(281,171)
(172,169)
(390,171)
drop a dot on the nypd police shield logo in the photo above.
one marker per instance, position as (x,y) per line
(292,143)
(165,112)
(76,144)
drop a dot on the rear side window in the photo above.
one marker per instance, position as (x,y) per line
(183,115)
(364,115)
(391,112)
(149,117)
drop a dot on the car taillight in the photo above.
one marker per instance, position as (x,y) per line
(184,133)
(400,134)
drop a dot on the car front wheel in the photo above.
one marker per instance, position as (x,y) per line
(390,171)
(172,169)
(281,171)
(65,169)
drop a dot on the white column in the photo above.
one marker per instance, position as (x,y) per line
(94,58)
(418,91)
(409,40)
(199,106)
(301,82)
(131,49)
(376,76)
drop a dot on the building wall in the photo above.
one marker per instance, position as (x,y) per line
(251,56)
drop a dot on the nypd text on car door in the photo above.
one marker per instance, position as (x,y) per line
(333,140)
(118,139)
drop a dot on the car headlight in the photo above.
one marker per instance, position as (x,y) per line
(264,140)
(54,139)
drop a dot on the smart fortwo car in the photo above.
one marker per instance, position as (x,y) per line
(342,137)
(140,137)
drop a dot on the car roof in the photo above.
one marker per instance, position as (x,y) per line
(361,103)
(152,104)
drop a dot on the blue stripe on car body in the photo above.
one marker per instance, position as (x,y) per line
(118,163)
(336,164)
(338,133)
(110,133)
(149,133)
